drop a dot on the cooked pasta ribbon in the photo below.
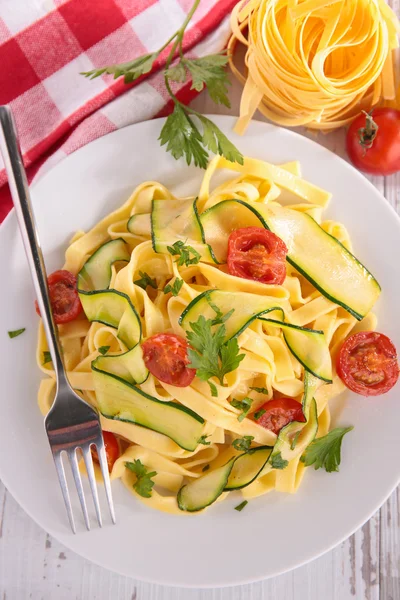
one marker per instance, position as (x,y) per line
(288,334)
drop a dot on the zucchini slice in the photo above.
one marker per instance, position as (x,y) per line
(140,224)
(247,307)
(246,467)
(115,309)
(308,346)
(96,272)
(286,445)
(178,220)
(221,219)
(122,401)
(128,366)
(323,260)
(203,491)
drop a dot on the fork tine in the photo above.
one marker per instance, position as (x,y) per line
(87,456)
(101,452)
(78,483)
(64,488)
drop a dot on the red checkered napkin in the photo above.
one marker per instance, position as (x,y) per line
(45,44)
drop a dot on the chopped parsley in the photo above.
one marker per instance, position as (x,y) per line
(175,288)
(104,349)
(144,483)
(243,444)
(244,405)
(187,255)
(145,280)
(16,332)
(241,506)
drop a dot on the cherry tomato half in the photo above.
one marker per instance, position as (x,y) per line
(112,449)
(165,355)
(279,413)
(64,297)
(256,253)
(367,363)
(373,141)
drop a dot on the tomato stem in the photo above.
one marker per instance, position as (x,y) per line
(368,133)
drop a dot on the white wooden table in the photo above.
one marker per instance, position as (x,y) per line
(35,566)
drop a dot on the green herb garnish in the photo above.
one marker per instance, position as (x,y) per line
(187,254)
(46,357)
(260,390)
(244,405)
(203,440)
(175,288)
(103,349)
(325,451)
(243,444)
(259,413)
(209,354)
(186,133)
(143,484)
(205,468)
(277,462)
(16,332)
(145,280)
(220,318)
(241,506)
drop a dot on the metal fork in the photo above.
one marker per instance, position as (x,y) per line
(71,423)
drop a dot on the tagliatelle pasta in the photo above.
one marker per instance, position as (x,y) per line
(276,361)
(312,62)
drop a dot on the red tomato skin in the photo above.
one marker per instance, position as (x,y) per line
(383,158)
(359,359)
(165,355)
(112,449)
(258,254)
(64,297)
(279,413)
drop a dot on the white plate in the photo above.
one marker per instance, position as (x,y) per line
(221,547)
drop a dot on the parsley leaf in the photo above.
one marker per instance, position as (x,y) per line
(217,142)
(243,444)
(241,506)
(183,251)
(183,139)
(259,413)
(175,288)
(130,70)
(220,318)
(203,440)
(103,349)
(143,484)
(325,451)
(260,390)
(209,71)
(277,462)
(209,354)
(145,280)
(244,405)
(46,357)
(16,332)
(205,468)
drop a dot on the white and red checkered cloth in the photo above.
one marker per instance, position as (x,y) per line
(45,44)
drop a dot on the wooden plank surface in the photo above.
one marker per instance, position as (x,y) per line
(366,566)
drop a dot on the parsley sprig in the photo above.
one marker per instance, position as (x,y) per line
(145,280)
(325,451)
(186,133)
(144,483)
(244,405)
(209,354)
(175,288)
(187,255)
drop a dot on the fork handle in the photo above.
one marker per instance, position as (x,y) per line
(20,194)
